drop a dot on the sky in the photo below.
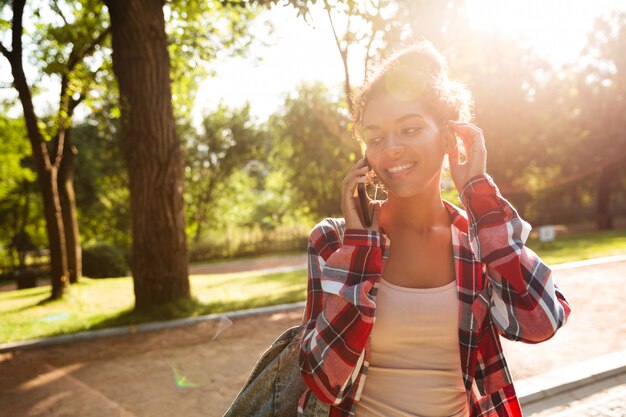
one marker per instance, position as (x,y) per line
(302,51)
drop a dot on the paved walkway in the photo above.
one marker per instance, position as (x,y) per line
(271,263)
(609,402)
(588,387)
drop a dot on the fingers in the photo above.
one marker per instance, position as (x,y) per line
(357,174)
(473,141)
(376,207)
(464,127)
(454,154)
(470,134)
(349,202)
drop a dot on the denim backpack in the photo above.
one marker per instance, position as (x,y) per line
(275,385)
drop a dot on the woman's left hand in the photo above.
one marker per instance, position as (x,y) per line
(475,153)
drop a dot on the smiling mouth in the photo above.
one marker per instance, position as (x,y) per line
(400,168)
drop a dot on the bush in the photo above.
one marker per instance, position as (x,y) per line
(104,260)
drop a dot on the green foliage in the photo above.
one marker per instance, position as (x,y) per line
(249,242)
(228,143)
(600,96)
(312,150)
(14,154)
(72,46)
(20,206)
(101,185)
(104,260)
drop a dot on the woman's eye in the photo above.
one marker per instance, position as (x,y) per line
(410,130)
(374,140)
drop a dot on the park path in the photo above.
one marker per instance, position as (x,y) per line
(197,370)
(274,263)
(256,264)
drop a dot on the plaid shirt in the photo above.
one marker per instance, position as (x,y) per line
(503,289)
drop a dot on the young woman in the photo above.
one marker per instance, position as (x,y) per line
(403,317)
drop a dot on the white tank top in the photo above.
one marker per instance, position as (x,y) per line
(415,366)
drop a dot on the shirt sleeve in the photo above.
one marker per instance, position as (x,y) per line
(521,296)
(339,312)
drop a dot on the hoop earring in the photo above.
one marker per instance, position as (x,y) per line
(379,189)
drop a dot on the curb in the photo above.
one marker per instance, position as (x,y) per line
(272,270)
(536,390)
(146,327)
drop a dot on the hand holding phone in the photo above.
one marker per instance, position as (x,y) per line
(359,211)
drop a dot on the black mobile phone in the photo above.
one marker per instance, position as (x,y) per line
(364,202)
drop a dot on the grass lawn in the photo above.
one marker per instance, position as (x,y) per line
(101,303)
(578,246)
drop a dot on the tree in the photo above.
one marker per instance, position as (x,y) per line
(52,174)
(151,150)
(308,150)
(81,20)
(228,141)
(604,104)
(575,139)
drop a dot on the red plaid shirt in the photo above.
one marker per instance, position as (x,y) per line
(503,288)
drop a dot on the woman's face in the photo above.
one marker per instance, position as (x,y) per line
(404,145)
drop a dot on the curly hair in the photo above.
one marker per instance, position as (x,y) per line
(418,72)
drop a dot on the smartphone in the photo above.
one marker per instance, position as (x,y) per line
(364,202)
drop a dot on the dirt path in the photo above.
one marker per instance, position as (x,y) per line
(266,262)
(237,265)
(135,375)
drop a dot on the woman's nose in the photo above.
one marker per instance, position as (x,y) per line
(393,146)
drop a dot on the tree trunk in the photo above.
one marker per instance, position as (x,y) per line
(68,210)
(21,242)
(604,220)
(46,170)
(54,227)
(151,150)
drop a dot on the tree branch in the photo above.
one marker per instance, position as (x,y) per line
(38,144)
(55,6)
(347,36)
(332,26)
(367,54)
(77,57)
(5,52)
(66,103)
(60,143)
(371,40)
(17,27)
(343,52)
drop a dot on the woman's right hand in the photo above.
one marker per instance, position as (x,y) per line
(350,205)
